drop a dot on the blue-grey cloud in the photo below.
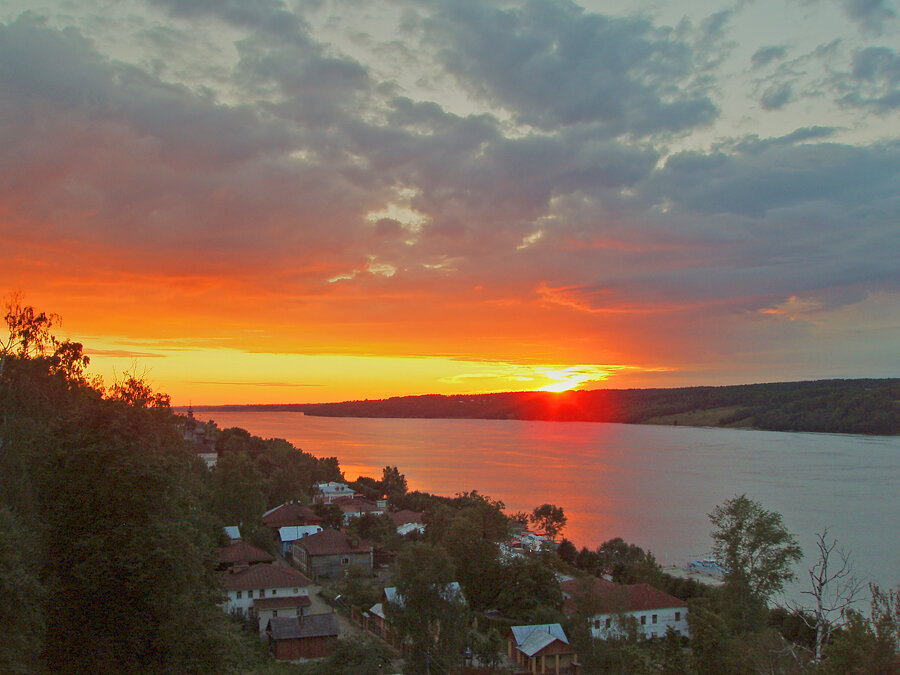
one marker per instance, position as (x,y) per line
(872,15)
(552,64)
(766,55)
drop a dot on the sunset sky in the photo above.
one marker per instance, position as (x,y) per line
(320,200)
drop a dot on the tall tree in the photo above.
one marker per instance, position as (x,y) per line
(432,618)
(550,518)
(754,546)
(833,588)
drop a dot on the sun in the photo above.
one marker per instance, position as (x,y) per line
(566,379)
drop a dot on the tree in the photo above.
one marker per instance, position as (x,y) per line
(549,518)
(393,482)
(428,614)
(833,589)
(754,546)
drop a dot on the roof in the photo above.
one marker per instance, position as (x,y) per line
(295,532)
(532,639)
(290,514)
(405,517)
(263,576)
(330,542)
(242,552)
(611,597)
(282,601)
(296,627)
(232,531)
(356,505)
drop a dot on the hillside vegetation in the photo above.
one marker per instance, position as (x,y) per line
(865,406)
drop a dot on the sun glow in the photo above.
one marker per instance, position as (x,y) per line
(567,379)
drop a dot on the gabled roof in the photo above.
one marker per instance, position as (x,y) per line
(295,532)
(242,552)
(610,597)
(405,517)
(232,532)
(293,627)
(331,542)
(263,576)
(532,639)
(280,601)
(290,514)
(356,505)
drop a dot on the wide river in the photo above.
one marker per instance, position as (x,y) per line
(650,485)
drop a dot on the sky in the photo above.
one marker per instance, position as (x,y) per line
(322,200)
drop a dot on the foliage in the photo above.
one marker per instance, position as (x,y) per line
(753,544)
(353,656)
(550,518)
(432,620)
(393,482)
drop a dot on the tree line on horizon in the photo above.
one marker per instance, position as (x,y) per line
(856,406)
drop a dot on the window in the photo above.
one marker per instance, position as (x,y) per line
(275,613)
(296,590)
(238,595)
(275,592)
(262,592)
(249,594)
(653,618)
(678,616)
(596,623)
(345,561)
(608,623)
(643,620)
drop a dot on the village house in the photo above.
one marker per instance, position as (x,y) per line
(407,521)
(329,553)
(542,649)
(354,507)
(302,637)
(288,534)
(290,514)
(653,610)
(241,554)
(265,591)
(326,493)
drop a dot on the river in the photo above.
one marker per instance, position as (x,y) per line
(650,485)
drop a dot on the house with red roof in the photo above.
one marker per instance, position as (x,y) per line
(330,552)
(241,554)
(265,591)
(290,514)
(609,604)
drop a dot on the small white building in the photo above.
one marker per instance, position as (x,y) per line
(265,591)
(326,493)
(652,609)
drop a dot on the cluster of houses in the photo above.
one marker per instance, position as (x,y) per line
(274,593)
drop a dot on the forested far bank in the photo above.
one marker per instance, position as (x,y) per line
(860,406)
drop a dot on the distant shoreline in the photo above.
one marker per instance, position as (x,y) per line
(863,406)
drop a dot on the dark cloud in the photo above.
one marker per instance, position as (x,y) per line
(552,64)
(766,55)
(776,97)
(872,15)
(873,82)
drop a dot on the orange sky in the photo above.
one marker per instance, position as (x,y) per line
(332,201)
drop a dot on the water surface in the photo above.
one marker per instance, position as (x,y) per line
(651,485)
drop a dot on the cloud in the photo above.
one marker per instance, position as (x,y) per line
(552,64)
(766,55)
(872,15)
(776,97)
(873,82)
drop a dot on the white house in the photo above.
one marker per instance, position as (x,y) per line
(652,609)
(265,591)
(328,492)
